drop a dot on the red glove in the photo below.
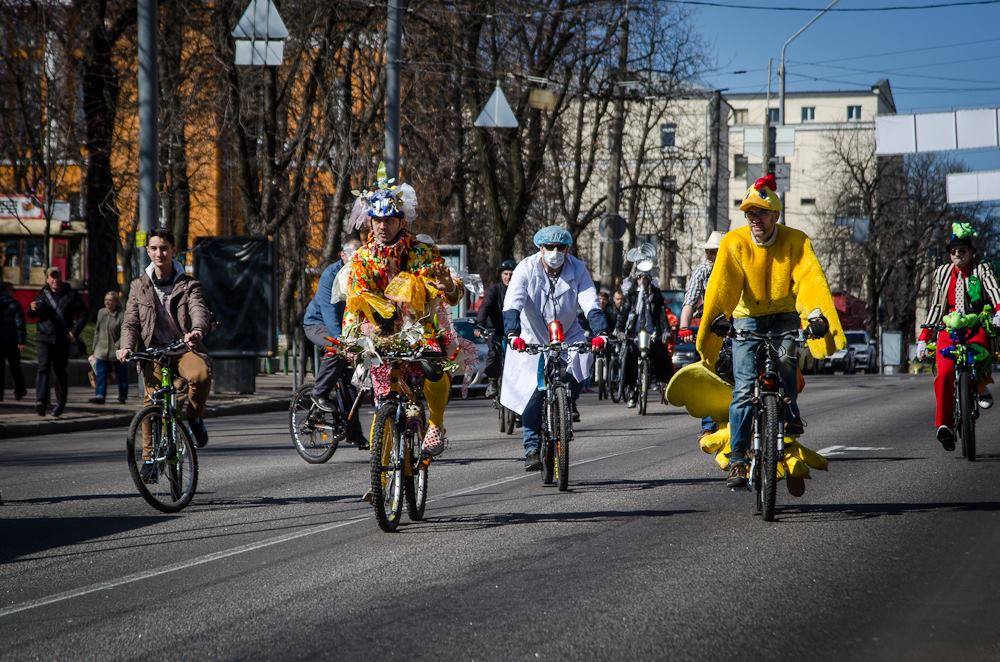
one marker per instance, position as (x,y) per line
(685,335)
(518,344)
(597,343)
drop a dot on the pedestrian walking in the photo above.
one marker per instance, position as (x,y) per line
(61,316)
(12,341)
(107,338)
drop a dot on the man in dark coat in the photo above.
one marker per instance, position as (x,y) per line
(490,314)
(644,312)
(61,315)
(12,340)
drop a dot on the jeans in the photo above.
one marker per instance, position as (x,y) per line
(531,418)
(708,425)
(745,374)
(328,374)
(101,369)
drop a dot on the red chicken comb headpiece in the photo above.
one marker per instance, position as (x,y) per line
(767,181)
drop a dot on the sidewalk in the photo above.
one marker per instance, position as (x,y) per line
(18,418)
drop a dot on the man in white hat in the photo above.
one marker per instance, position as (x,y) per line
(694,298)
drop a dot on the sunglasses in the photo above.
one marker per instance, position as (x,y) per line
(755,216)
(958,251)
(555,247)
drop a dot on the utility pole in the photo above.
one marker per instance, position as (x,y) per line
(768,142)
(613,247)
(393,46)
(149,203)
(781,69)
(715,112)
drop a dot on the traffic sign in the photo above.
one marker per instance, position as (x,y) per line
(496,113)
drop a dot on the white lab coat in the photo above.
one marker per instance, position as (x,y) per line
(528,292)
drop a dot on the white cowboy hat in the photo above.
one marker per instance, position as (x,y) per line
(714,240)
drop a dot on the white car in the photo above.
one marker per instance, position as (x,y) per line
(466,327)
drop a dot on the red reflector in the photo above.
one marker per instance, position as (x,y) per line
(770,383)
(556,331)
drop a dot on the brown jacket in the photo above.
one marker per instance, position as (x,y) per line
(187,306)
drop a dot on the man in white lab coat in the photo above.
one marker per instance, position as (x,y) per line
(546,286)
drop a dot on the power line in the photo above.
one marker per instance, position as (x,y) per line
(897,71)
(908,50)
(937,5)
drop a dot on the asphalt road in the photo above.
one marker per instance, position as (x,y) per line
(892,554)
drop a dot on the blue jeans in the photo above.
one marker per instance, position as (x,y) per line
(531,418)
(708,425)
(101,368)
(745,373)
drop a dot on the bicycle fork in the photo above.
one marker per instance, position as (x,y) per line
(758,435)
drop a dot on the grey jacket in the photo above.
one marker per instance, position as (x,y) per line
(108,333)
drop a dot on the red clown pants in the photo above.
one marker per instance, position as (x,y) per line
(944,383)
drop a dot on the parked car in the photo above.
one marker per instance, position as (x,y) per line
(466,327)
(864,350)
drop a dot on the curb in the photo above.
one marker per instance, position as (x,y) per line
(101,421)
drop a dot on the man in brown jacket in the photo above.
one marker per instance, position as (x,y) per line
(165,304)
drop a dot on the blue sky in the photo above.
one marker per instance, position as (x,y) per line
(949,53)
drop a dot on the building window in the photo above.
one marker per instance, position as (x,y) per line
(668,135)
(739,166)
(807,201)
(668,183)
(740,115)
(773,115)
(808,113)
(854,112)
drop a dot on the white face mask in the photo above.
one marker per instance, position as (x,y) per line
(553,259)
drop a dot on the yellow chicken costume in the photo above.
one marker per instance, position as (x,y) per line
(750,279)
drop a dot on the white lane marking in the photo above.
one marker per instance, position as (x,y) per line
(841,450)
(250,547)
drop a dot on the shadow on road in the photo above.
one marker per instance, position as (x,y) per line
(826,512)
(492,520)
(632,485)
(30,535)
(837,459)
(48,500)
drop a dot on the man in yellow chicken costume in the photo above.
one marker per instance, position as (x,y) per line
(397,279)
(767,277)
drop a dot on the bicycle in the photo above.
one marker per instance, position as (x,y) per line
(317,433)
(643,370)
(165,441)
(507,418)
(557,420)
(616,369)
(769,411)
(966,356)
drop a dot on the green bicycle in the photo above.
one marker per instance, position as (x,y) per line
(970,361)
(160,452)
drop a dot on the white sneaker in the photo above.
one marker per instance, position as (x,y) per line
(985,399)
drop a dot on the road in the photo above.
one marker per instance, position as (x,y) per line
(889,555)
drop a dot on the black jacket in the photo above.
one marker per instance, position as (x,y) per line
(490,311)
(626,319)
(11,321)
(69,315)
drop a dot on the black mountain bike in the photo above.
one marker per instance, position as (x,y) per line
(616,349)
(316,433)
(507,419)
(644,370)
(557,412)
(769,412)
(160,453)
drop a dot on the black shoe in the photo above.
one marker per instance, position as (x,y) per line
(96,401)
(59,409)
(796,486)
(19,395)
(576,414)
(532,462)
(324,403)
(199,431)
(738,473)
(360,442)
(122,401)
(148,473)
(492,388)
(946,438)
(795,428)
(40,408)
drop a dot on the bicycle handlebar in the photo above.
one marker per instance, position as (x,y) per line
(557,347)
(157,353)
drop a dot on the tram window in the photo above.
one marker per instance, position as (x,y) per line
(23,261)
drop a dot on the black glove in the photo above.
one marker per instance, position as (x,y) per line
(817,327)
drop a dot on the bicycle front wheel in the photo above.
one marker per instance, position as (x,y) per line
(387,468)
(509,418)
(643,386)
(615,378)
(563,429)
(161,460)
(314,433)
(966,408)
(415,478)
(769,461)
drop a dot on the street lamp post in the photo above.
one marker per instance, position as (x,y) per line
(781,69)
(394,34)
(148,88)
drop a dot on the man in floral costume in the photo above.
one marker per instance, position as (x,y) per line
(396,281)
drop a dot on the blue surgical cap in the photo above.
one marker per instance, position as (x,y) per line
(553,234)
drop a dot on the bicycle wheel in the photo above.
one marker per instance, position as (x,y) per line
(415,484)
(173,484)
(769,461)
(509,419)
(966,408)
(501,417)
(600,378)
(547,450)
(564,427)
(387,468)
(616,386)
(315,433)
(643,386)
